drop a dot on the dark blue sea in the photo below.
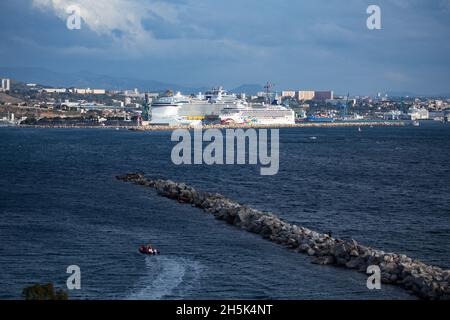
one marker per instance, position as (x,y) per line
(60,205)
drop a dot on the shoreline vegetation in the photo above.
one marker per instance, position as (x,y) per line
(227,126)
(424,281)
(44,292)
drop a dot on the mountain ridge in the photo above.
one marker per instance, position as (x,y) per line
(87,79)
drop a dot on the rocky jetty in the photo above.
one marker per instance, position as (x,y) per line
(425,281)
(275,126)
(218,126)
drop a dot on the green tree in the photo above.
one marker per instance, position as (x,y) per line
(44,292)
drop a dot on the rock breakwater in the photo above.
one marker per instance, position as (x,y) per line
(425,281)
(278,126)
(219,126)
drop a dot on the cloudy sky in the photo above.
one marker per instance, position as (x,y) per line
(297,44)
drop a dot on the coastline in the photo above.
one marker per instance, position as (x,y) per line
(228,126)
(424,281)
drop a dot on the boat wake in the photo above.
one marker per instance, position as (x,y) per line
(167,277)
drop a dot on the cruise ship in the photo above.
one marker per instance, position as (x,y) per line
(184,110)
(216,104)
(9,121)
(258,115)
(6,123)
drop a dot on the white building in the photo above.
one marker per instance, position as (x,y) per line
(54,90)
(5,85)
(393,115)
(88,91)
(418,114)
(117,103)
(133,93)
(305,95)
(289,93)
(71,104)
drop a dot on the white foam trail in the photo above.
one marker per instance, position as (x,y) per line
(165,274)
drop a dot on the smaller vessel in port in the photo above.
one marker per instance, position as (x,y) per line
(258,115)
(272,114)
(416,123)
(8,121)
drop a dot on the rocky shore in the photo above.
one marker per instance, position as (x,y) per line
(425,281)
(260,126)
(220,126)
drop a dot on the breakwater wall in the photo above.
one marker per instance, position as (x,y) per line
(72,126)
(425,281)
(222,126)
(279,126)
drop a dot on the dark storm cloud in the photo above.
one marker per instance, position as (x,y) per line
(297,44)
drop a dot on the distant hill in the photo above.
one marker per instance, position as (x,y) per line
(400,94)
(411,94)
(250,89)
(5,98)
(88,79)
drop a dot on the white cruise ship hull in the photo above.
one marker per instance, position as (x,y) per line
(185,114)
(164,115)
(260,117)
(201,110)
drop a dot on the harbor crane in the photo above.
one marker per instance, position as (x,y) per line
(344,107)
(146,108)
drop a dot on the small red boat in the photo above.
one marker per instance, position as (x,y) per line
(148,251)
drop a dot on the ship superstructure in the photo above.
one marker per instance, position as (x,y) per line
(216,104)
